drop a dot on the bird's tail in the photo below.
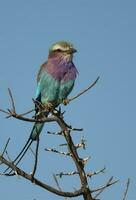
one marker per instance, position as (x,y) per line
(36,130)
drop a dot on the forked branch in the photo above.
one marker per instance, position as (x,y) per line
(65,131)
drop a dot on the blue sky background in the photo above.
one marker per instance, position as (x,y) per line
(104,32)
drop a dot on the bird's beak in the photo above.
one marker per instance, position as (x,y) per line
(73,50)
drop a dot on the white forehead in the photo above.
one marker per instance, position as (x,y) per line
(61,47)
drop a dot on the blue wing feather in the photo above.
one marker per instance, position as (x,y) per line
(47,88)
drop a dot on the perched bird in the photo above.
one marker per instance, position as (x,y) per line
(55,80)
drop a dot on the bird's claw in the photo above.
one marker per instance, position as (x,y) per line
(48,106)
(65,101)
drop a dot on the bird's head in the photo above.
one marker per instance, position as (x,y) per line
(63,49)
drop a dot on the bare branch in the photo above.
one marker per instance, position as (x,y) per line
(11,162)
(101,189)
(55,133)
(57,183)
(56,151)
(72,149)
(67,174)
(79,145)
(126,190)
(85,90)
(20,116)
(90,174)
(39,183)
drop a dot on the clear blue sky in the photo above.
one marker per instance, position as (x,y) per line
(104,32)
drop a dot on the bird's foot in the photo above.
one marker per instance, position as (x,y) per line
(65,101)
(48,106)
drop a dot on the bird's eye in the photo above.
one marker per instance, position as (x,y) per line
(58,50)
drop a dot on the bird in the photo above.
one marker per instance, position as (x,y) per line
(55,80)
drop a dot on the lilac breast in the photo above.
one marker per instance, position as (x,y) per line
(61,70)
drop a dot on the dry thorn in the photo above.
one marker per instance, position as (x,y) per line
(85,160)
(82,144)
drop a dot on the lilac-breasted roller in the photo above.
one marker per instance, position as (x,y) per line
(55,81)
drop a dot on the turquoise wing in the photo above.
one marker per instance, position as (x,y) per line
(47,88)
(65,89)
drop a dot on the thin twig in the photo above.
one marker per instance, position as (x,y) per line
(58,185)
(90,174)
(101,189)
(56,181)
(59,152)
(126,190)
(11,162)
(79,145)
(12,100)
(32,151)
(4,111)
(76,129)
(67,174)
(5,148)
(55,133)
(28,112)
(85,90)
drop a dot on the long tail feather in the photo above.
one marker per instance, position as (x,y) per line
(36,130)
(29,141)
(22,153)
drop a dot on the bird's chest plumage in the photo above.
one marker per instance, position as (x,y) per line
(64,73)
(57,81)
(61,70)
